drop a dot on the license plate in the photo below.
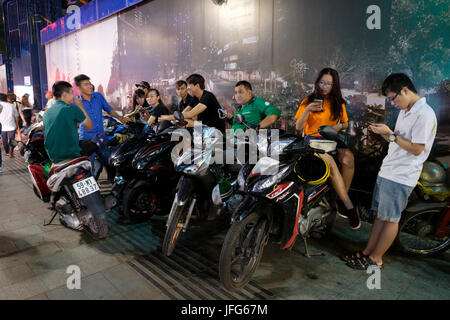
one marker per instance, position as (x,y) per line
(85,187)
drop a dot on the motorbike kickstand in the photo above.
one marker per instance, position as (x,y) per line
(307,253)
(51,220)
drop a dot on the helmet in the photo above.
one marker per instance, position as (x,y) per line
(433,175)
(312,169)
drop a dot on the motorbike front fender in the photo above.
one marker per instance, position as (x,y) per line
(94,205)
(185,188)
(245,208)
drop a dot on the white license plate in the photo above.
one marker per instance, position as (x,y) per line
(85,187)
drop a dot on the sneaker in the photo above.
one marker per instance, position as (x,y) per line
(353,218)
(341,209)
(352,215)
(1,170)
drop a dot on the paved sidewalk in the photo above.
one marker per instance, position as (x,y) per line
(129,265)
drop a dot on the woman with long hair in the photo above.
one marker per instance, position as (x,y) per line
(325,106)
(158,108)
(140,104)
(27,109)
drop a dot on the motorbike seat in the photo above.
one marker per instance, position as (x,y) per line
(57,167)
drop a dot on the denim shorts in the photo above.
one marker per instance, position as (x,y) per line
(390,199)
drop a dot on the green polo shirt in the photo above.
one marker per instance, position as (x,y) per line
(255,111)
(61,131)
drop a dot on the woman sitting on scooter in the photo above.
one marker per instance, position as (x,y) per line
(157,107)
(140,106)
(325,106)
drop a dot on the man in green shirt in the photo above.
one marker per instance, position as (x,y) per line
(258,112)
(61,124)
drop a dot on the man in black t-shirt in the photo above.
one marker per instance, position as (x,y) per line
(203,107)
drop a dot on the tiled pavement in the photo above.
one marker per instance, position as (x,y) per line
(128,264)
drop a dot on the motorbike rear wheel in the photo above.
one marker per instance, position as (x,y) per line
(242,251)
(416,233)
(138,204)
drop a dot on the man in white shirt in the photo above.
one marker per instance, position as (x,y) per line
(409,147)
(50,100)
(9,119)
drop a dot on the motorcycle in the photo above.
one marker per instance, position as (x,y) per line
(425,223)
(149,192)
(193,192)
(282,199)
(73,194)
(121,160)
(114,134)
(69,187)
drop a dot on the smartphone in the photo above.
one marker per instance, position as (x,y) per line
(319,101)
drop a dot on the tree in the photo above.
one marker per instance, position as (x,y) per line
(419,40)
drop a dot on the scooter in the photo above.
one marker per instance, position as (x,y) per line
(283,199)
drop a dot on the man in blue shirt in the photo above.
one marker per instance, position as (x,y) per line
(94,104)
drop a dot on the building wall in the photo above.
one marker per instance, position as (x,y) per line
(279,46)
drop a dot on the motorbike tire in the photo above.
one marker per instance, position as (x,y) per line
(98,228)
(174,228)
(134,201)
(403,224)
(96,224)
(229,249)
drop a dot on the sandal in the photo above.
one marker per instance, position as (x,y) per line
(353,256)
(362,263)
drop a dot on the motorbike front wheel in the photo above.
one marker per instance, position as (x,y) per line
(417,233)
(242,251)
(174,228)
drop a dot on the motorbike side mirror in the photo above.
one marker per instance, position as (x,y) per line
(178,116)
(328,133)
(239,118)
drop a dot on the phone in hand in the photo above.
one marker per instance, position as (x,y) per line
(319,101)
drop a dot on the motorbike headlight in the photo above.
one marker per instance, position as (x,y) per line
(264,184)
(216,198)
(143,162)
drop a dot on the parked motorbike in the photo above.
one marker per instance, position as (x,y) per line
(193,193)
(425,224)
(282,199)
(122,157)
(151,189)
(69,187)
(73,194)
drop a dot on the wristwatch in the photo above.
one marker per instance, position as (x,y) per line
(393,137)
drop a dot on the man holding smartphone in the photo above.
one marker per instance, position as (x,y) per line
(409,147)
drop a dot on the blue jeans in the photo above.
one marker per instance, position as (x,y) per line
(103,156)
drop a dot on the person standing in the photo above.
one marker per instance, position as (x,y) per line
(409,147)
(12,98)
(50,100)
(9,120)
(27,109)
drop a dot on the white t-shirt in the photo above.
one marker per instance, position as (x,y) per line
(50,103)
(419,125)
(7,116)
